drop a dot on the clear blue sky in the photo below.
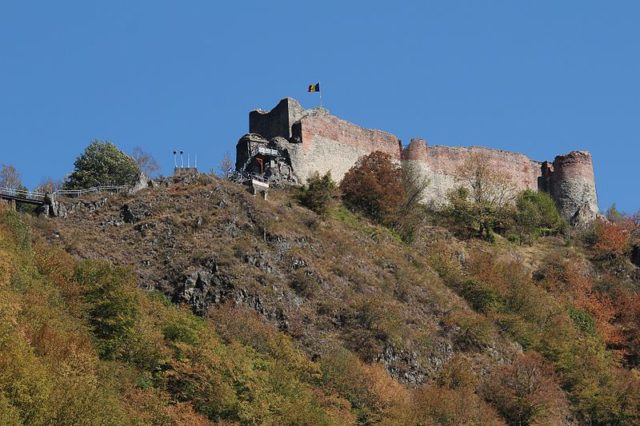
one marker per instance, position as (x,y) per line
(538,77)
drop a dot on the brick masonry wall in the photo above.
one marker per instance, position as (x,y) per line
(317,141)
(331,144)
(573,183)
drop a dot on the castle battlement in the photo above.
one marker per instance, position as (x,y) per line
(289,144)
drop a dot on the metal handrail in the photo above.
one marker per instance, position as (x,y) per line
(21,193)
(40,196)
(77,192)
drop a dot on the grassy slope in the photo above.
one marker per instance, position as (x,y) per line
(452,315)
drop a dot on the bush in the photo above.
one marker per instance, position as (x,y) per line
(526,393)
(319,193)
(102,163)
(374,187)
(612,239)
(469,217)
(481,298)
(537,215)
(112,305)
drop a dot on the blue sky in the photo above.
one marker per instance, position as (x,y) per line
(538,77)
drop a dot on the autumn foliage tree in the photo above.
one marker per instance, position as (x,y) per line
(613,239)
(374,187)
(526,393)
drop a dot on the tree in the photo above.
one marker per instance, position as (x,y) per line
(411,211)
(226,166)
(613,239)
(373,186)
(10,178)
(102,163)
(537,214)
(49,186)
(147,164)
(319,193)
(486,184)
(484,201)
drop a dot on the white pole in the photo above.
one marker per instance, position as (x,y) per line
(320,91)
(196,160)
(188,161)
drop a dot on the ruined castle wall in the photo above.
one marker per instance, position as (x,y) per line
(572,184)
(315,141)
(331,144)
(441,165)
(276,122)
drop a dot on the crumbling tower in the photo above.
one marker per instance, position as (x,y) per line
(571,183)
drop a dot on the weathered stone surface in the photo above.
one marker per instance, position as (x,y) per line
(127,215)
(441,165)
(278,121)
(635,255)
(573,185)
(329,143)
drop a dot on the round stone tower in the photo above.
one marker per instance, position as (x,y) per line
(416,151)
(573,187)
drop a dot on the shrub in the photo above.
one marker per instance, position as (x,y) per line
(480,297)
(102,163)
(473,331)
(373,186)
(537,214)
(612,239)
(319,193)
(526,392)
(469,217)
(112,305)
(449,407)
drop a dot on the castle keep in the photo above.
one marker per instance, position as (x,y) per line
(288,144)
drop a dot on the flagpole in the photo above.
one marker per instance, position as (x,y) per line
(320,86)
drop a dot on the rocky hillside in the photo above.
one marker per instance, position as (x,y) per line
(469,331)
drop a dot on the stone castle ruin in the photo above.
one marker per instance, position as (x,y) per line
(289,144)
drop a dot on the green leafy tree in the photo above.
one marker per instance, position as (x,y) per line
(319,193)
(102,163)
(537,215)
(113,306)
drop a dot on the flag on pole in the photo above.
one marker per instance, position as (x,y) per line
(314,87)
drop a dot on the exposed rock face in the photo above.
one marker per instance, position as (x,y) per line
(127,215)
(308,141)
(269,159)
(635,255)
